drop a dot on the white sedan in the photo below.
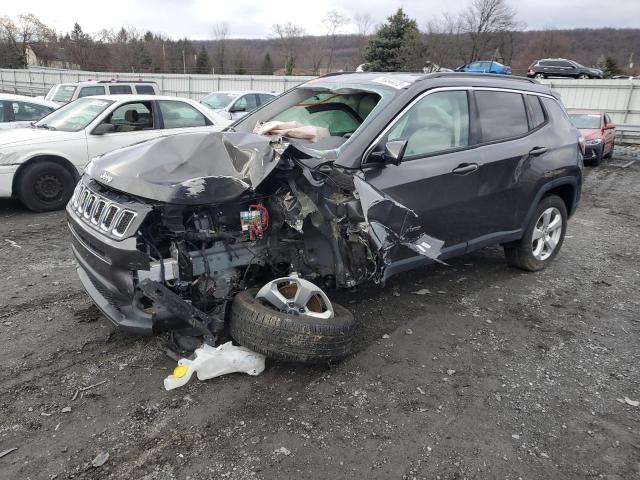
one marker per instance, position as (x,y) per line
(41,164)
(20,110)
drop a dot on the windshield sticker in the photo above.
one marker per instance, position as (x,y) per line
(391,82)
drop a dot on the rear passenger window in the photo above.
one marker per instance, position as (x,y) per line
(178,114)
(502,115)
(536,113)
(88,91)
(120,89)
(145,90)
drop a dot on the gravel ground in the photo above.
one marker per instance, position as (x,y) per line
(493,373)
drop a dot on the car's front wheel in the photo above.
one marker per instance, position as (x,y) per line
(45,186)
(583,76)
(275,322)
(543,238)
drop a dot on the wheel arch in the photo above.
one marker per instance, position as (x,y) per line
(567,188)
(44,157)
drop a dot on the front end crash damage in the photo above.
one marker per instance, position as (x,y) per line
(216,213)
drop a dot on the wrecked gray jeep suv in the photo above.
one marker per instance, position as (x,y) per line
(342,180)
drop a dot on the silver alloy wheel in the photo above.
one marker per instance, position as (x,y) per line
(546,233)
(296,296)
(539,75)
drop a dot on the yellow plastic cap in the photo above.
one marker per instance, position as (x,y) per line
(180,371)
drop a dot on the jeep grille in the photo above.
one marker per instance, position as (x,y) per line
(100,212)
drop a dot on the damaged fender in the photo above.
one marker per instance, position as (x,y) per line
(390,224)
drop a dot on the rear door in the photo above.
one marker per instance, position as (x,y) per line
(511,146)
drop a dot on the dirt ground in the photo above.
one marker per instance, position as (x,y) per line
(495,373)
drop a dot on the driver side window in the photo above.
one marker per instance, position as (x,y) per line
(131,117)
(436,123)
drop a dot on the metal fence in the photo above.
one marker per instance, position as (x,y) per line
(37,81)
(619,98)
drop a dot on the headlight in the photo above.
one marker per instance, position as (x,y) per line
(595,141)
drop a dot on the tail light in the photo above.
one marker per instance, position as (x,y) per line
(530,70)
(582,146)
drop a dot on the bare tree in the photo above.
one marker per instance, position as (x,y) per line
(365,26)
(28,32)
(220,33)
(445,42)
(289,36)
(334,20)
(364,23)
(484,20)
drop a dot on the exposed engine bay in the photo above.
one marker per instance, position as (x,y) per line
(265,209)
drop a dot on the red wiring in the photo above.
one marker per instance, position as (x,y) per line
(257,229)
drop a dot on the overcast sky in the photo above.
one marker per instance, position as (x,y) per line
(254,18)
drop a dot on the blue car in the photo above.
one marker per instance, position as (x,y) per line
(485,66)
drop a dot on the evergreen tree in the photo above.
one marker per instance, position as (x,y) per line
(267,65)
(609,67)
(397,46)
(203,64)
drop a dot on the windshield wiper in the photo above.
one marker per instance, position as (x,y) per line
(44,125)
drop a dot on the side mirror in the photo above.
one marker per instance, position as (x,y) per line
(104,128)
(610,126)
(235,109)
(392,155)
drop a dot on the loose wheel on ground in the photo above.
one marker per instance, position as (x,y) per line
(292,325)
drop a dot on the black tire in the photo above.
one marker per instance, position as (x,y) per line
(539,76)
(287,337)
(45,186)
(520,253)
(609,155)
(583,76)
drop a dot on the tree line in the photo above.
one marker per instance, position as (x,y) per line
(486,29)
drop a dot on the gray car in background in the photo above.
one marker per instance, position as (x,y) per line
(229,106)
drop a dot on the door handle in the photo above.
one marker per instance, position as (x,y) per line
(465,168)
(535,151)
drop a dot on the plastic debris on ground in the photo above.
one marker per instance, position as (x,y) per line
(210,362)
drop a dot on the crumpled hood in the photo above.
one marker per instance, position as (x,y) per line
(188,168)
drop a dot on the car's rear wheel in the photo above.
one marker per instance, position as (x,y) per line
(543,238)
(539,76)
(286,333)
(45,186)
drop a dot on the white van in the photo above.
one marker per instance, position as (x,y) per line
(68,92)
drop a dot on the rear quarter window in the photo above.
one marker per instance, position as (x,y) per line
(145,90)
(119,89)
(536,112)
(502,115)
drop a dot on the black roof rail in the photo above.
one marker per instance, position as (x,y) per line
(479,75)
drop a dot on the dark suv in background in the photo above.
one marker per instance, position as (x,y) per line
(224,232)
(561,67)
